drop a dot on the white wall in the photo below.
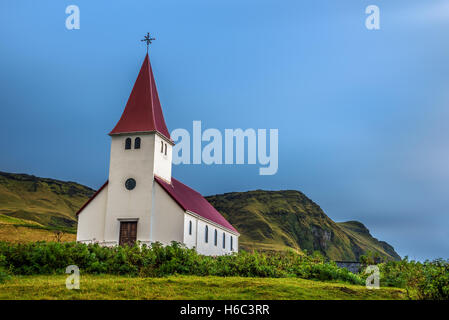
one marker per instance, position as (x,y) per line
(162,161)
(132,204)
(190,240)
(91,220)
(141,165)
(167,218)
(198,237)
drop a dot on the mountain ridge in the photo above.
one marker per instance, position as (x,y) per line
(277,220)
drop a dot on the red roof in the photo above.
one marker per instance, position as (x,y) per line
(143,110)
(192,201)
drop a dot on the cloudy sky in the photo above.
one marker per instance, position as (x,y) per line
(362,114)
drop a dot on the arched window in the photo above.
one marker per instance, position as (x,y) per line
(137,143)
(206,235)
(224,240)
(232,238)
(162,146)
(128,143)
(215,237)
(190,227)
(165,149)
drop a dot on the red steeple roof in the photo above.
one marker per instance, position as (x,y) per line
(143,110)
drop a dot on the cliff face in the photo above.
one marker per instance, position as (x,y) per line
(275,220)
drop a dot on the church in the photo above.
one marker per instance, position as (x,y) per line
(141,201)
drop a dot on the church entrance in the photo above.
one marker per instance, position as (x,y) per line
(128,233)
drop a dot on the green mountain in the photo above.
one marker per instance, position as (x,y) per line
(42,201)
(275,220)
(361,234)
(267,220)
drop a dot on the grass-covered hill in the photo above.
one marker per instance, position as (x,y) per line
(39,203)
(275,220)
(361,234)
(32,208)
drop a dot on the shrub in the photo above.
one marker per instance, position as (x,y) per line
(3,274)
(435,281)
(158,260)
(428,280)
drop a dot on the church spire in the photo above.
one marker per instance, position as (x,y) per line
(143,111)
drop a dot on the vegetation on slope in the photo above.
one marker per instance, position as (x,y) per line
(275,220)
(158,260)
(40,201)
(23,234)
(427,280)
(361,234)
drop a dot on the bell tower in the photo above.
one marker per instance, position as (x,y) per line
(141,148)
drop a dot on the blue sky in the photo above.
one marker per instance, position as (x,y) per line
(362,115)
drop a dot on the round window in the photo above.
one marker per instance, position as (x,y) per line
(130,184)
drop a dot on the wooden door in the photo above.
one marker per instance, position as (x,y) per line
(128,232)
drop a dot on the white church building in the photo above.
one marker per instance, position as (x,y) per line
(141,201)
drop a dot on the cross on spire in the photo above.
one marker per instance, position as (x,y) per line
(148,39)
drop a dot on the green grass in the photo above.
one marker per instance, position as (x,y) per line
(18,233)
(188,287)
(4,219)
(14,229)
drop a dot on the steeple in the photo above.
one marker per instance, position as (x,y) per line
(143,112)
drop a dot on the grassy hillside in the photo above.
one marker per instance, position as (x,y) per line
(361,234)
(33,208)
(40,202)
(275,220)
(188,288)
